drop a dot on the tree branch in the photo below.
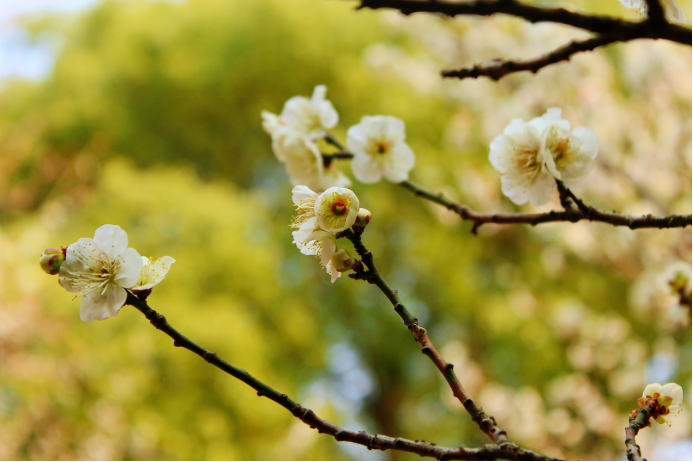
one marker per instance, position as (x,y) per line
(498,68)
(486,423)
(625,30)
(642,420)
(583,212)
(307,416)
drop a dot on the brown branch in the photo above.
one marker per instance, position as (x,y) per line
(498,69)
(583,212)
(625,30)
(307,416)
(486,423)
(642,420)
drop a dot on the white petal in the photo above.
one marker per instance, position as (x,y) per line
(653,388)
(329,247)
(675,391)
(589,143)
(301,193)
(129,271)
(398,164)
(365,169)
(308,231)
(97,307)
(540,191)
(111,239)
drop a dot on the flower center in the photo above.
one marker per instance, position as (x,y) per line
(339,208)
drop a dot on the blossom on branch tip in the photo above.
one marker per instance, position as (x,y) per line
(100,270)
(524,166)
(153,272)
(664,401)
(379,149)
(672,10)
(573,152)
(320,217)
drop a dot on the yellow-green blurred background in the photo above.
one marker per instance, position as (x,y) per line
(148,117)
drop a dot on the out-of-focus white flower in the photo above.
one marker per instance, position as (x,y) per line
(153,272)
(100,269)
(665,401)
(379,149)
(572,152)
(524,166)
(308,117)
(304,163)
(336,208)
(676,279)
(672,10)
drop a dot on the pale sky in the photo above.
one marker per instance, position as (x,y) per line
(18,58)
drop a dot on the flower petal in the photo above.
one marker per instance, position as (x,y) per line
(111,240)
(129,271)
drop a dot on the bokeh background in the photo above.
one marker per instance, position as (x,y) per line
(146,114)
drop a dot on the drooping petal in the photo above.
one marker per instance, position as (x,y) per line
(99,307)
(308,231)
(111,240)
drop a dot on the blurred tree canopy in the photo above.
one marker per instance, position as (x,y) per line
(150,119)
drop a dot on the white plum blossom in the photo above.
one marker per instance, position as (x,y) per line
(308,117)
(573,152)
(529,155)
(672,10)
(304,163)
(319,217)
(676,279)
(524,166)
(294,131)
(100,269)
(379,149)
(153,272)
(666,399)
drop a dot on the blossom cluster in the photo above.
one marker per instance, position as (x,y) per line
(377,144)
(531,155)
(320,217)
(102,269)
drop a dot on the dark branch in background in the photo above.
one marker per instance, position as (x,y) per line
(307,416)
(583,212)
(607,29)
(497,69)
(639,422)
(570,214)
(486,423)
(625,30)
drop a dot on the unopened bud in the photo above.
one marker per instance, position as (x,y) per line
(342,261)
(51,259)
(363,218)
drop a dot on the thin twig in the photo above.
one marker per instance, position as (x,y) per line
(307,416)
(640,421)
(584,212)
(626,30)
(486,423)
(498,69)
